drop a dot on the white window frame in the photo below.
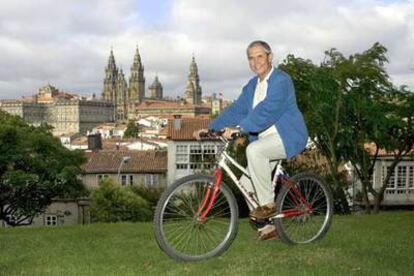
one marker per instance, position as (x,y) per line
(151,179)
(186,153)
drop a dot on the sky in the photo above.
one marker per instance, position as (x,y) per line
(67,43)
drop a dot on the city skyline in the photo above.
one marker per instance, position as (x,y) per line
(68,44)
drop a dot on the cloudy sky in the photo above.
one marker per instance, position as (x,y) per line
(66,43)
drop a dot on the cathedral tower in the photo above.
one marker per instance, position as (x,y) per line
(111,76)
(136,91)
(155,89)
(192,92)
(121,97)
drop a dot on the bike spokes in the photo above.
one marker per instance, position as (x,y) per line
(304,210)
(185,229)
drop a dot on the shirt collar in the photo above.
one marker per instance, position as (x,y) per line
(267,76)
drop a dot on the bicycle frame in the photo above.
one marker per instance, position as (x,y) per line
(303,206)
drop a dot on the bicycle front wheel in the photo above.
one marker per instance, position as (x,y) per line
(179,230)
(299,225)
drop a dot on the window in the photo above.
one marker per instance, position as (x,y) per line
(131,179)
(401,177)
(195,157)
(391,183)
(151,180)
(123,179)
(101,177)
(51,220)
(181,157)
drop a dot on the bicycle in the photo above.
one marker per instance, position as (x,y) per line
(197,216)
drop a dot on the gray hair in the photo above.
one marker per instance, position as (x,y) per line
(261,43)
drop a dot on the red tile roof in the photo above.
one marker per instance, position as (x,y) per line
(188,126)
(108,161)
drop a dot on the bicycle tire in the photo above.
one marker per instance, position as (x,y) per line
(305,228)
(176,210)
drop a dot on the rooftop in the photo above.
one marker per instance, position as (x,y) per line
(108,161)
(186,129)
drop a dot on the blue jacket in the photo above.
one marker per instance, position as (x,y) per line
(279,108)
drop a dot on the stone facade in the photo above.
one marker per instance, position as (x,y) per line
(167,109)
(124,97)
(155,89)
(66,113)
(192,92)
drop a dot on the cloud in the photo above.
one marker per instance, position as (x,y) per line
(67,43)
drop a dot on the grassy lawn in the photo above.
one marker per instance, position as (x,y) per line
(359,244)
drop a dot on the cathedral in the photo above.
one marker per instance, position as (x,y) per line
(193,90)
(125,97)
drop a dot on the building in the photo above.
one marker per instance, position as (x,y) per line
(128,167)
(400,188)
(167,109)
(155,89)
(66,113)
(186,155)
(62,212)
(215,102)
(192,92)
(124,96)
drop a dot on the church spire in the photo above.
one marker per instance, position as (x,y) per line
(136,92)
(193,89)
(111,75)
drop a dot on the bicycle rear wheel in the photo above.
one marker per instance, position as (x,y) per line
(181,233)
(304,227)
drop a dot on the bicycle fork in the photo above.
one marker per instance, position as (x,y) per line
(302,205)
(210,196)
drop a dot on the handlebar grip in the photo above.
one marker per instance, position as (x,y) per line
(236,135)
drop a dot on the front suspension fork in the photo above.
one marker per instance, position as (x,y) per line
(210,195)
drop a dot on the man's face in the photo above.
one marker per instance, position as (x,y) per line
(260,62)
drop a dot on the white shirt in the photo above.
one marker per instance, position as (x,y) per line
(259,95)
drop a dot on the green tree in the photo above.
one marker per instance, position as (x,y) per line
(34,169)
(349,103)
(395,134)
(132,130)
(113,203)
(320,98)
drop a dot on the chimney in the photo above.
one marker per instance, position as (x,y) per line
(94,142)
(177,121)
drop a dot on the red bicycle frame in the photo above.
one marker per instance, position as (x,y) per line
(295,194)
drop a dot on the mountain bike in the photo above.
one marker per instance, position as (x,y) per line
(197,216)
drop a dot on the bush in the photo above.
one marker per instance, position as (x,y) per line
(112,203)
(151,195)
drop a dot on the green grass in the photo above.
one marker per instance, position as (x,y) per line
(355,245)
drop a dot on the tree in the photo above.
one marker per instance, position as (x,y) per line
(132,130)
(34,169)
(396,137)
(349,103)
(112,203)
(320,98)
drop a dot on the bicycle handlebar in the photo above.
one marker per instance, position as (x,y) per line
(216,135)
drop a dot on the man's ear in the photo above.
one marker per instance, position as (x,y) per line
(270,58)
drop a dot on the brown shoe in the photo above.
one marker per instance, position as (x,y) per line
(267,233)
(263,212)
(269,236)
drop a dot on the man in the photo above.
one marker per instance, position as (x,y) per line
(267,111)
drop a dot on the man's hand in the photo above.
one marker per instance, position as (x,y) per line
(229,131)
(199,133)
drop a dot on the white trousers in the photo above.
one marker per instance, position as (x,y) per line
(262,156)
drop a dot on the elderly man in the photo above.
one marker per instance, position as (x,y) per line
(267,111)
